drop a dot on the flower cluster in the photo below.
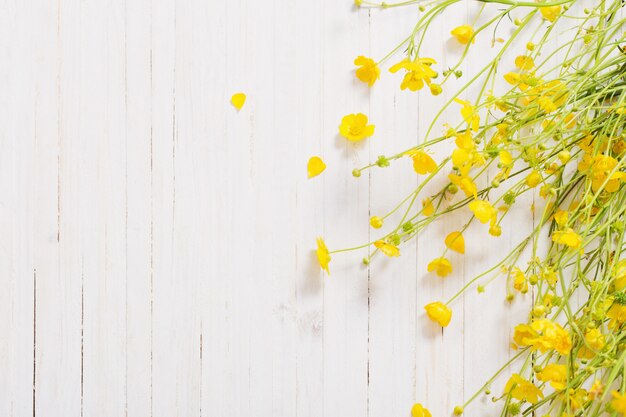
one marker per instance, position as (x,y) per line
(557,133)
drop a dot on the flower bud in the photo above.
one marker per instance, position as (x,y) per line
(458,410)
(356,173)
(564,156)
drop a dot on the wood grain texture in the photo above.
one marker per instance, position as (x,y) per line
(156,245)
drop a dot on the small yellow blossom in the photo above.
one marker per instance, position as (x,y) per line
(322,254)
(567,237)
(524,62)
(597,388)
(543,335)
(463,34)
(616,314)
(483,210)
(465,183)
(618,402)
(561,217)
(438,312)
(387,248)
(469,114)
(550,13)
(435,89)
(418,72)
(354,127)
(495,230)
(520,283)
(315,166)
(376,222)
(441,266)
(456,242)
(533,179)
(419,410)
(368,71)
(594,342)
(546,104)
(522,390)
(423,163)
(427,207)
(555,374)
(238,100)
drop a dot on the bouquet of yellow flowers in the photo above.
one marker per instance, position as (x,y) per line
(555,129)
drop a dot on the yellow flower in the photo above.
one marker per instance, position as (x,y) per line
(594,342)
(456,242)
(418,72)
(543,335)
(387,248)
(438,312)
(463,34)
(469,114)
(522,390)
(567,237)
(483,210)
(315,166)
(441,266)
(533,179)
(546,104)
(354,127)
(465,183)
(427,207)
(618,402)
(322,254)
(524,62)
(368,71)
(238,100)
(520,283)
(555,374)
(376,222)
(560,217)
(495,230)
(423,163)
(418,410)
(551,12)
(616,314)
(435,89)
(597,388)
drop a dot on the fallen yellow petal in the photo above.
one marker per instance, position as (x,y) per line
(238,100)
(315,166)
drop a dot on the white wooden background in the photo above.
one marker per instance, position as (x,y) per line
(156,246)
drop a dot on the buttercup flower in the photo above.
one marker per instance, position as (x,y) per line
(483,210)
(555,374)
(550,13)
(524,62)
(427,207)
(594,342)
(441,266)
(423,163)
(618,402)
(463,34)
(522,390)
(315,166)
(533,179)
(438,312)
(469,114)
(322,255)
(387,248)
(418,72)
(456,242)
(368,71)
(543,335)
(567,237)
(418,410)
(354,127)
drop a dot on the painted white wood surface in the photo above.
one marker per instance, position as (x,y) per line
(156,245)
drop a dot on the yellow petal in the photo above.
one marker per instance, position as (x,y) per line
(238,100)
(315,166)
(387,248)
(419,410)
(438,312)
(456,242)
